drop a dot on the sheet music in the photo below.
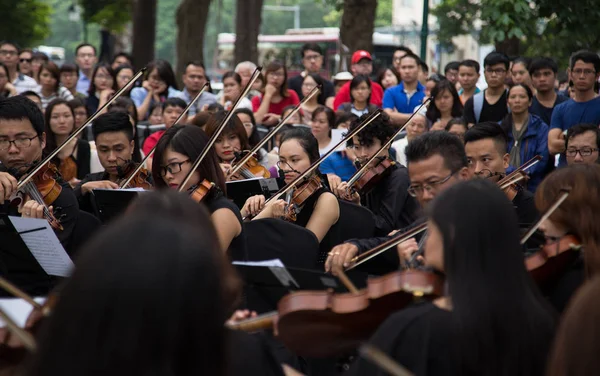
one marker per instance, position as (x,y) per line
(43,244)
(17,309)
(276,267)
(336,136)
(269,263)
(135,189)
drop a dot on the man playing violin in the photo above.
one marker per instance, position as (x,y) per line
(435,161)
(22,140)
(115,145)
(390,202)
(485,146)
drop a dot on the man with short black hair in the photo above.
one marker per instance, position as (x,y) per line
(491,104)
(583,144)
(362,63)
(171,109)
(34,97)
(543,72)
(584,107)
(194,77)
(468,75)
(400,101)
(85,57)
(9,55)
(69,76)
(122,58)
(399,52)
(451,71)
(312,60)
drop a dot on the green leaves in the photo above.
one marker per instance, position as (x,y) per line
(25,21)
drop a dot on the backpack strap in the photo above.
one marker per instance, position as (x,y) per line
(478,104)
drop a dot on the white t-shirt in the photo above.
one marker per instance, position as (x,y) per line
(399,146)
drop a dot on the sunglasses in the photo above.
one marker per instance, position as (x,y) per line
(26,60)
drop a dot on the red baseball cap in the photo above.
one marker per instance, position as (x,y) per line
(359,55)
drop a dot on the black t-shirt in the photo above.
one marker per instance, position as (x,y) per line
(392,206)
(251,354)
(560,290)
(420,338)
(237,248)
(489,112)
(545,113)
(295,83)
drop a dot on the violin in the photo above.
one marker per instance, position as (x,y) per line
(44,189)
(372,176)
(323,323)
(252,168)
(553,259)
(200,191)
(508,184)
(300,194)
(142,178)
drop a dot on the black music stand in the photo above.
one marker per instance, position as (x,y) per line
(240,190)
(110,203)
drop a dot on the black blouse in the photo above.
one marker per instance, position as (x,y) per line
(216,201)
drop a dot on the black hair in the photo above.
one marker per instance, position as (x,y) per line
(14,44)
(2,65)
(174,102)
(456,121)
(494,58)
(51,143)
(343,116)
(116,121)
(76,103)
(311,47)
(22,108)
(121,67)
(30,93)
(542,63)
(254,137)
(578,129)
(125,55)
(189,141)
(522,60)
(85,45)
(357,80)
(424,66)
(234,126)
(587,57)
(527,89)
(231,74)
(319,81)
(54,71)
(123,104)
(441,143)
(412,56)
(69,68)
(433,113)
(381,75)
(288,108)
(403,48)
(111,72)
(165,72)
(39,55)
(563,77)
(491,130)
(503,325)
(329,114)
(196,63)
(453,65)
(305,138)
(100,327)
(380,129)
(471,64)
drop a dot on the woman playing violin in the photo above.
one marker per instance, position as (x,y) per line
(177,150)
(230,144)
(577,217)
(297,151)
(493,320)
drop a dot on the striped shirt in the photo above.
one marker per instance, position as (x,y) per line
(25,83)
(63,93)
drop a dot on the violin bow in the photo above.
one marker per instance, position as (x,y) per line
(17,292)
(273,132)
(79,130)
(547,214)
(143,162)
(316,164)
(502,183)
(25,337)
(220,128)
(382,360)
(357,260)
(389,142)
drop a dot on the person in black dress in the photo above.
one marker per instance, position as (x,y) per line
(176,152)
(389,201)
(492,319)
(151,295)
(576,216)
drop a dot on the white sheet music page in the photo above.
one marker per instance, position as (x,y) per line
(43,244)
(17,309)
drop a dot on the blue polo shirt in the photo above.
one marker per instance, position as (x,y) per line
(397,98)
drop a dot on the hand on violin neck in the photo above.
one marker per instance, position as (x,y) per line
(33,209)
(406,250)
(340,257)
(346,193)
(8,186)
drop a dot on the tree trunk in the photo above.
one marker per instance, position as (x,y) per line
(192,16)
(215,42)
(358,24)
(144,32)
(247,28)
(509,47)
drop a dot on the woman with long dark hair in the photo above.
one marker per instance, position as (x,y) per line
(159,84)
(275,96)
(492,319)
(103,84)
(176,152)
(444,106)
(232,89)
(311,81)
(360,97)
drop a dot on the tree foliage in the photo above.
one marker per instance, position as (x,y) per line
(25,21)
(334,17)
(112,15)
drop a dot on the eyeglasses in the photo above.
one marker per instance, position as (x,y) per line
(8,53)
(26,60)
(585,151)
(172,168)
(585,72)
(248,125)
(309,86)
(284,166)
(498,71)
(21,143)
(417,190)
